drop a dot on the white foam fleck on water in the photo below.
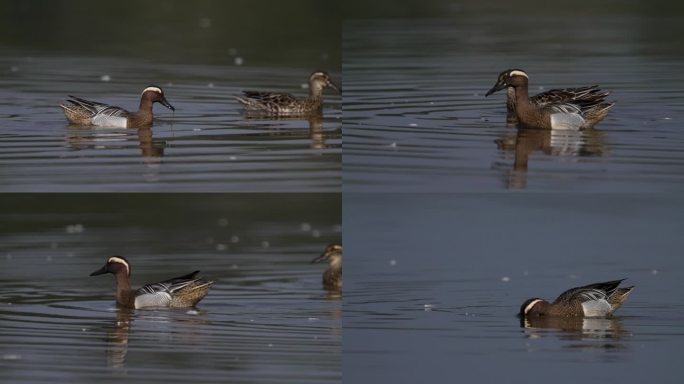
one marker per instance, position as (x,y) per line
(265,244)
(306,227)
(313,318)
(210,85)
(393,145)
(654,272)
(234,239)
(505,279)
(105,78)
(393,262)
(427,307)
(316,233)
(74,228)
(232,158)
(11,356)
(14,68)
(205,23)
(239,61)
(413,125)
(221,247)
(192,312)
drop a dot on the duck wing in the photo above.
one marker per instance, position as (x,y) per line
(97,108)
(169,286)
(597,291)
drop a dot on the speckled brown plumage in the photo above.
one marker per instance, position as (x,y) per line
(285,104)
(332,277)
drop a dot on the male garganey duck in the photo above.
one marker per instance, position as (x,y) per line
(85,112)
(180,292)
(594,300)
(570,108)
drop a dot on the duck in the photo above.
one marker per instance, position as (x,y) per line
(332,277)
(593,300)
(285,104)
(84,112)
(569,108)
(179,292)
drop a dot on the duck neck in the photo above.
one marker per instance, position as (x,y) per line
(523,106)
(123,288)
(315,91)
(145,105)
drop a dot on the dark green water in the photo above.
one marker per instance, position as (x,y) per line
(267,318)
(202,54)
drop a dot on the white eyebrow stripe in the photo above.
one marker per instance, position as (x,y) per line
(530,305)
(153,89)
(518,73)
(120,261)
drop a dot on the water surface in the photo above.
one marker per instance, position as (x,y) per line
(202,54)
(416,119)
(434,282)
(265,320)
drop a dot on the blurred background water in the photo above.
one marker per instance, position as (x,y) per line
(267,318)
(202,54)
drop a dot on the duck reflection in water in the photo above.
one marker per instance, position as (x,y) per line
(118,333)
(117,338)
(564,144)
(79,138)
(317,134)
(593,333)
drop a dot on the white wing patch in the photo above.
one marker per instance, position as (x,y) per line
(110,121)
(158,299)
(595,303)
(597,308)
(569,121)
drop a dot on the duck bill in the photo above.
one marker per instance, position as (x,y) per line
(497,87)
(334,86)
(100,271)
(322,257)
(167,104)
